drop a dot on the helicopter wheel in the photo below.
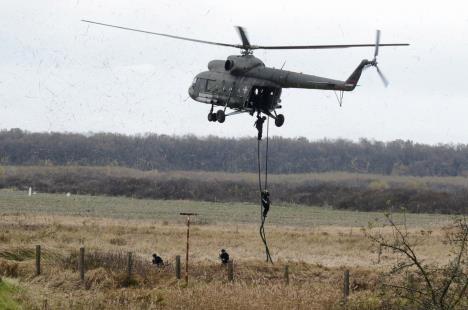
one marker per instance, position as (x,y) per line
(220,116)
(279,121)
(211,117)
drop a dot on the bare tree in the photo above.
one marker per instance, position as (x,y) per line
(423,285)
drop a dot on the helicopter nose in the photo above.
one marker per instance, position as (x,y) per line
(191,92)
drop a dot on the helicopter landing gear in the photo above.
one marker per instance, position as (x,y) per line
(220,116)
(279,120)
(211,117)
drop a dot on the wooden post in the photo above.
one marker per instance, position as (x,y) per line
(38,260)
(187,250)
(177,267)
(346,286)
(380,253)
(188,246)
(129,265)
(230,270)
(81,263)
(286,275)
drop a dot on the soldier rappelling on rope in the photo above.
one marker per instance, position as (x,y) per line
(265,202)
(264,194)
(259,125)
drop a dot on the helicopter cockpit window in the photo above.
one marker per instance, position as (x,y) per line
(211,86)
(201,83)
(194,81)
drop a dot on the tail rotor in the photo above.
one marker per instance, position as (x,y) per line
(374,62)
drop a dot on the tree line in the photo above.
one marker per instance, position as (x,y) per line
(191,153)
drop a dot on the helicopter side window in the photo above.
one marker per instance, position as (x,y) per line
(227,86)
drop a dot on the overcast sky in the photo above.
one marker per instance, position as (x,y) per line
(60,74)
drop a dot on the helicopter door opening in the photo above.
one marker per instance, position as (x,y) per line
(262,97)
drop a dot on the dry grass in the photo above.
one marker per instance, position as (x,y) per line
(317,248)
(326,245)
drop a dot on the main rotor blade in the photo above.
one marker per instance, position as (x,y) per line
(245,42)
(300,47)
(164,35)
(243,35)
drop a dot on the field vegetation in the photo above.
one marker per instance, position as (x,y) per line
(317,243)
(340,190)
(7,295)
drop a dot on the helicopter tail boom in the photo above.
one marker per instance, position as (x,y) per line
(353,79)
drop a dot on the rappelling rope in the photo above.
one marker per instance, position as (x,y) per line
(262,217)
(266,154)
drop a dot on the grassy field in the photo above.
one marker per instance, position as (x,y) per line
(317,243)
(210,213)
(7,293)
(346,191)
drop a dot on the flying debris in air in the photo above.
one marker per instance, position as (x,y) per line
(244,84)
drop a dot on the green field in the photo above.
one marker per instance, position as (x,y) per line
(7,291)
(18,202)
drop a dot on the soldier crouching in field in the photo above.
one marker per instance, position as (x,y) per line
(157,260)
(224,257)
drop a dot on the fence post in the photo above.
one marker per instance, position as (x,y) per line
(38,260)
(230,270)
(129,265)
(346,286)
(286,275)
(81,263)
(177,266)
(379,254)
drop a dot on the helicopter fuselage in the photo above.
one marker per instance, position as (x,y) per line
(245,84)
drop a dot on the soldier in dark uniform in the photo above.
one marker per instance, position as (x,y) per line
(224,257)
(259,125)
(265,202)
(157,260)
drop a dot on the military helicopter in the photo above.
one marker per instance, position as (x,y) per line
(244,84)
